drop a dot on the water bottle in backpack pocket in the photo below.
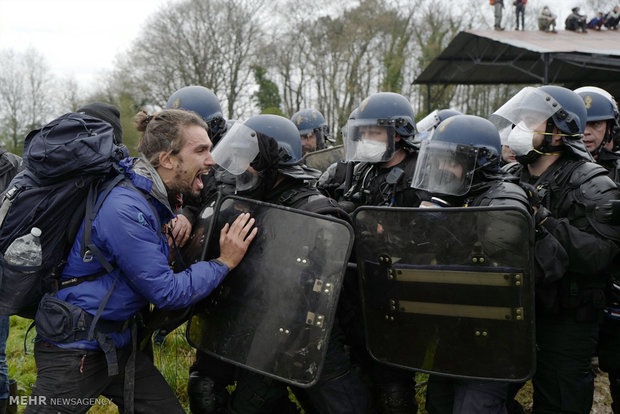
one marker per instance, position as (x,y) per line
(20,269)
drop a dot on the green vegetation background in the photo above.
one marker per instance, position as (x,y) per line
(172,358)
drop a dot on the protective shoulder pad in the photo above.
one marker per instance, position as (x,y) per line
(595,188)
(504,193)
(585,172)
(310,199)
(327,206)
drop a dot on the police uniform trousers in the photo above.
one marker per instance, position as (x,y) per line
(463,396)
(564,380)
(609,357)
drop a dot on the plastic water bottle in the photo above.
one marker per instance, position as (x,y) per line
(25,250)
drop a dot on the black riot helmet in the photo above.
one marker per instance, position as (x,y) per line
(283,131)
(600,106)
(372,128)
(204,102)
(538,111)
(311,121)
(462,150)
(571,117)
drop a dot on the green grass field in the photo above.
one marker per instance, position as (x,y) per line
(173,359)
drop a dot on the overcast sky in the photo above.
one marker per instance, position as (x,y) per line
(81,38)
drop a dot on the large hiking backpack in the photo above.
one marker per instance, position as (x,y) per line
(69,162)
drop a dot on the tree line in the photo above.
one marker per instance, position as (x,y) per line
(274,56)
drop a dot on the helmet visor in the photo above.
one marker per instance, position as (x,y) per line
(369,140)
(237,149)
(429,122)
(445,168)
(530,108)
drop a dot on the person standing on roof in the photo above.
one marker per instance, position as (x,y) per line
(499,8)
(520,12)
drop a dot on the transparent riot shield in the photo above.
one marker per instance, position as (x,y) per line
(448,291)
(322,159)
(273,313)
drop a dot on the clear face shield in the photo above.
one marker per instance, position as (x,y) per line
(426,127)
(234,153)
(445,168)
(369,140)
(523,116)
(429,122)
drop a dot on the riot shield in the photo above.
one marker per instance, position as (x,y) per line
(273,313)
(448,291)
(322,159)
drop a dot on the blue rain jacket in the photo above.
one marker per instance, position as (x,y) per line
(126,231)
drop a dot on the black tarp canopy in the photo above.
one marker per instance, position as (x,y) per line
(529,57)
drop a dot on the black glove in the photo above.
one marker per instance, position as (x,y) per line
(532,195)
(541,215)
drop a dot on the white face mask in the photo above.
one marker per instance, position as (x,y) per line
(520,140)
(370,150)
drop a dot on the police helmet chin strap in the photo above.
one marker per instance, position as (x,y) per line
(546,148)
(610,131)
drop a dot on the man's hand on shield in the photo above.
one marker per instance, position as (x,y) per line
(235,240)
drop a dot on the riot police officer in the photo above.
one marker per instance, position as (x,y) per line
(600,129)
(544,126)
(380,158)
(459,166)
(380,150)
(313,130)
(270,171)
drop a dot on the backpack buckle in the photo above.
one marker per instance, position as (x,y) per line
(88,256)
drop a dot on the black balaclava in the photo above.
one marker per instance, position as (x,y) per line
(266,163)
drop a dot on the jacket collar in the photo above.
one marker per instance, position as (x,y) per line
(144,177)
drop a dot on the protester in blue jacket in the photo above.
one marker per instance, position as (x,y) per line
(77,363)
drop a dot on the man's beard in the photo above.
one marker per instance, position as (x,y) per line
(180,185)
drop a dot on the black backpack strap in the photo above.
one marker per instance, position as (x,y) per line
(7,200)
(88,247)
(5,164)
